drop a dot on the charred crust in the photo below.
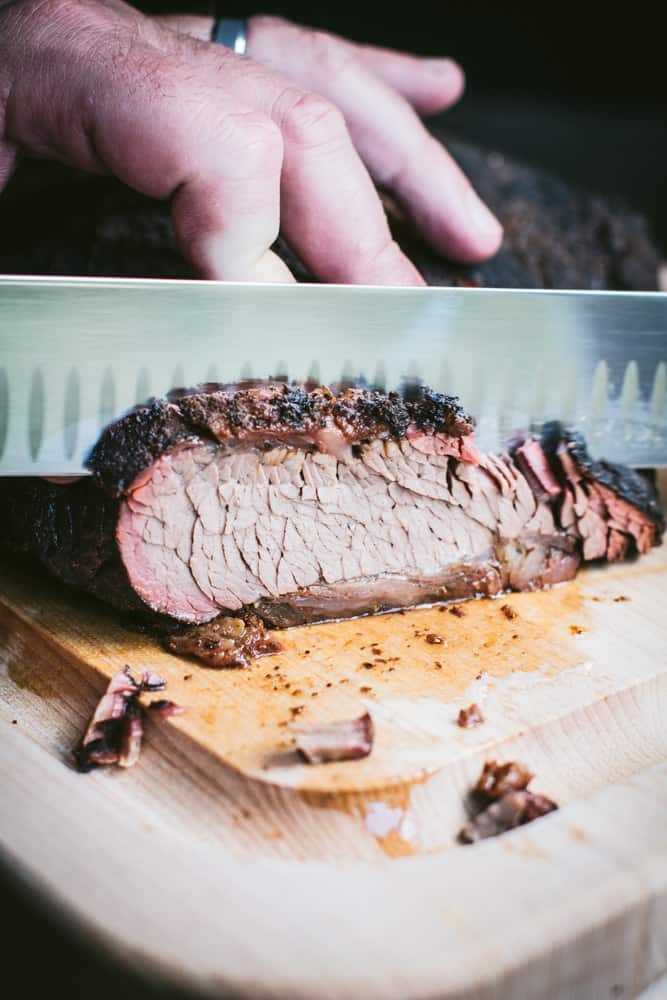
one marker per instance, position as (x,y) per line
(626,483)
(371,413)
(132,444)
(435,413)
(228,411)
(266,413)
(360,413)
(632,487)
(296,407)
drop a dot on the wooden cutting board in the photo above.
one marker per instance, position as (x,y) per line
(222,860)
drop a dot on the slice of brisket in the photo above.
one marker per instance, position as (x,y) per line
(307,504)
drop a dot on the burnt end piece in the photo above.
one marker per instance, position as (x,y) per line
(470,717)
(501,801)
(506,813)
(115,731)
(224,642)
(627,484)
(498,779)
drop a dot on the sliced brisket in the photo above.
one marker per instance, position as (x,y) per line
(312,504)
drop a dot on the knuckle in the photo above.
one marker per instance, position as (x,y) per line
(253,138)
(311,120)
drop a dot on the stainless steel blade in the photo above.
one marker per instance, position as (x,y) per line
(75,353)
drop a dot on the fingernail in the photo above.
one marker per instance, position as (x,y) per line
(481,218)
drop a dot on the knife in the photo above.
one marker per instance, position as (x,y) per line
(75,353)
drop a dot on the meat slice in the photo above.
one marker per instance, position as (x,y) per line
(509,811)
(115,732)
(346,739)
(606,505)
(309,504)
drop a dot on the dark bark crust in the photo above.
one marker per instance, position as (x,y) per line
(627,484)
(132,443)
(70,531)
(265,414)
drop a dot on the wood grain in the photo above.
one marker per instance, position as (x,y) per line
(254,874)
(602,630)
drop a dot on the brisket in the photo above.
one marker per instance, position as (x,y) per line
(308,504)
(555,235)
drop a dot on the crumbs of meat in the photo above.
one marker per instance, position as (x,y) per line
(497,779)
(456,610)
(224,642)
(501,801)
(509,612)
(348,739)
(116,729)
(470,717)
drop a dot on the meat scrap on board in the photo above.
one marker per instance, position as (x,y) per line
(501,801)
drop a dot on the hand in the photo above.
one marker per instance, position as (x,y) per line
(297,128)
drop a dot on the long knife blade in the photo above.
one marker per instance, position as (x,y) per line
(76,353)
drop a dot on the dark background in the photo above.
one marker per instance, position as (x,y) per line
(580,89)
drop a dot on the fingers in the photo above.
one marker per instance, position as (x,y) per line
(393,143)
(331,213)
(160,124)
(231,142)
(429,85)
(219,161)
(226,220)
(373,88)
